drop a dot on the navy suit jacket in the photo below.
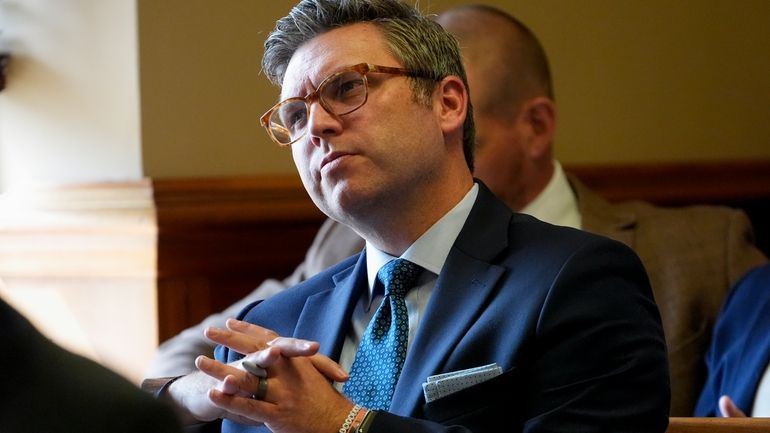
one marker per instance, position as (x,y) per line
(569,316)
(740,348)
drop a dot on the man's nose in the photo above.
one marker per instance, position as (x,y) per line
(321,122)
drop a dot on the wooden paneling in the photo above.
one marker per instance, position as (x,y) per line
(675,184)
(218,238)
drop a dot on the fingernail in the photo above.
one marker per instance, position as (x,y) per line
(234,323)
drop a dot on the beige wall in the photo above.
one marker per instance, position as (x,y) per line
(70,112)
(636,81)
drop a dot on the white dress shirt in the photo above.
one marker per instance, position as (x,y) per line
(557,203)
(762,397)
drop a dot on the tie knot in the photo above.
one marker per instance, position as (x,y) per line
(398,276)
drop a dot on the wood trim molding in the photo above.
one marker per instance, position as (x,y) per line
(239,200)
(104,229)
(224,223)
(718,425)
(722,182)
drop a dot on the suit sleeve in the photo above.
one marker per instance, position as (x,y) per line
(600,363)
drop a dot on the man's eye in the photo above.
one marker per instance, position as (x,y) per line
(347,88)
(351,86)
(297,121)
(294,118)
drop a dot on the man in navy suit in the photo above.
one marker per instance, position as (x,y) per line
(375,111)
(738,360)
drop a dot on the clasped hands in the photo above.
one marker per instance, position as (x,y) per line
(300,396)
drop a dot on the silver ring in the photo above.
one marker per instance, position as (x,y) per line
(261,389)
(254,369)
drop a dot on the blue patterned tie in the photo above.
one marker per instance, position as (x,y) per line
(381,354)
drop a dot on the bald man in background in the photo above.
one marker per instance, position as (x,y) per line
(693,255)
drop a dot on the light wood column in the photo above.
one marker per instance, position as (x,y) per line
(80,262)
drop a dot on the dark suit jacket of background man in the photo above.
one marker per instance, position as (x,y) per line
(46,389)
(569,316)
(740,351)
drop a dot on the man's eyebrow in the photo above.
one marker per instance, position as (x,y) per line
(314,86)
(307,80)
(297,93)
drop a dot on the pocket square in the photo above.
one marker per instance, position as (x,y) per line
(442,385)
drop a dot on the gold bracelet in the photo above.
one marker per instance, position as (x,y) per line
(349,420)
(360,416)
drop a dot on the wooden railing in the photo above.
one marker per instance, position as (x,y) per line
(718,425)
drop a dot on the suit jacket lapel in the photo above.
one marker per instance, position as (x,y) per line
(325,317)
(459,295)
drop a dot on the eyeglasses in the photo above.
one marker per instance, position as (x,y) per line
(339,94)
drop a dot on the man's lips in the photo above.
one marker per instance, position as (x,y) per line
(333,156)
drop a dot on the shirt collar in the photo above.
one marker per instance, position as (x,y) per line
(432,248)
(557,203)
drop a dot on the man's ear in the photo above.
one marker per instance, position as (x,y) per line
(452,104)
(540,115)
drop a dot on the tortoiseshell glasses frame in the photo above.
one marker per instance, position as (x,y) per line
(341,93)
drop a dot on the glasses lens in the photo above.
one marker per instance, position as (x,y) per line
(340,94)
(288,121)
(344,92)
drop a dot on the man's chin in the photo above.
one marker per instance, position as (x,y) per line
(346,199)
